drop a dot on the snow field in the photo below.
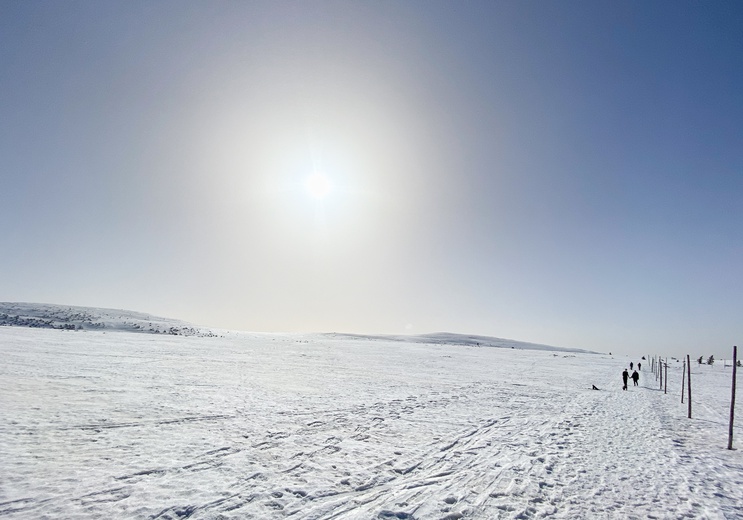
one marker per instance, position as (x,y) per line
(122,425)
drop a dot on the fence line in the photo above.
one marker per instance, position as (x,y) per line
(662,368)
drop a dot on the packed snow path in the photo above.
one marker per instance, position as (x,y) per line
(121,425)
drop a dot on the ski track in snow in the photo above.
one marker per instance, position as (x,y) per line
(279,426)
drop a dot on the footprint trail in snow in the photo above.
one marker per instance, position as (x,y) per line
(311,427)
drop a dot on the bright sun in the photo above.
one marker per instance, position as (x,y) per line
(318,185)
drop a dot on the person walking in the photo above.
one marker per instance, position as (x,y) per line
(630,365)
(625,376)
(639,366)
(635,377)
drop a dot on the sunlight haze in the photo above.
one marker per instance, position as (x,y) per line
(565,173)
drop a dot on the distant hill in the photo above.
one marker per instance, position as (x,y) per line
(65,317)
(465,339)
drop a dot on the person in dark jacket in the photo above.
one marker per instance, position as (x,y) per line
(635,377)
(639,366)
(625,376)
(631,365)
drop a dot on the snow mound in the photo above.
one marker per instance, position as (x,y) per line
(65,317)
(448,338)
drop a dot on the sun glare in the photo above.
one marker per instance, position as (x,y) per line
(318,185)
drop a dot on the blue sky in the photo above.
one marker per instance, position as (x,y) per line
(568,173)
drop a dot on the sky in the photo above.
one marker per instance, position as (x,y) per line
(567,173)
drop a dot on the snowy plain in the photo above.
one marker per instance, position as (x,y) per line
(112,424)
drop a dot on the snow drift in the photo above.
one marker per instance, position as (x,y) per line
(64,317)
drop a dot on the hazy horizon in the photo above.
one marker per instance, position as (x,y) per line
(567,174)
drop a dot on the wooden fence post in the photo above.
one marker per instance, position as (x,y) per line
(665,387)
(732,399)
(660,371)
(688,380)
(683,381)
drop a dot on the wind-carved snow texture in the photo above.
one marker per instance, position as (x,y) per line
(63,317)
(123,425)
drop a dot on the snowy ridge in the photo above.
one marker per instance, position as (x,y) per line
(448,338)
(66,317)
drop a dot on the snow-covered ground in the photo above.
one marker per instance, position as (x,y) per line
(107,424)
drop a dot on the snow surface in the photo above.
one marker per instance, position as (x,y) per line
(64,317)
(102,424)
